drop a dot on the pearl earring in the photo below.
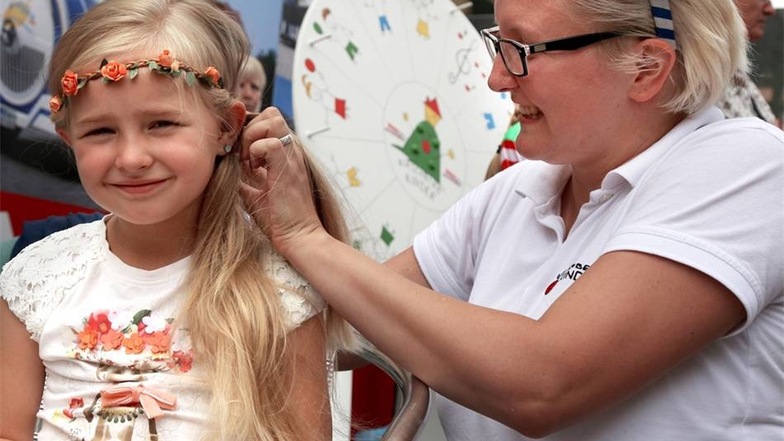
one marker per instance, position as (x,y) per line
(227,148)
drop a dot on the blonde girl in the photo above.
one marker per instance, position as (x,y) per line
(172,317)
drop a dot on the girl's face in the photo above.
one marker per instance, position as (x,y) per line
(570,99)
(144,150)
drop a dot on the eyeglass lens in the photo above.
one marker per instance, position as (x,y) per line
(513,57)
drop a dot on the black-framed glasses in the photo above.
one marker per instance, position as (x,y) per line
(515,54)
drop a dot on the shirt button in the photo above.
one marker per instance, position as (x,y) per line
(605,197)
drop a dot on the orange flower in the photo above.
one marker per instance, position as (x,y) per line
(87,339)
(111,340)
(55,103)
(159,342)
(133,344)
(165,59)
(114,71)
(184,360)
(100,322)
(70,83)
(213,75)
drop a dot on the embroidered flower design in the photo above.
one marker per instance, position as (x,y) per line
(113,71)
(133,344)
(183,360)
(111,340)
(158,342)
(75,403)
(143,334)
(87,339)
(70,83)
(154,323)
(100,322)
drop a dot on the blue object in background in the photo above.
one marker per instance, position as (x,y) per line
(370,435)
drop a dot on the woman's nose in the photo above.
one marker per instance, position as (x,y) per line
(500,80)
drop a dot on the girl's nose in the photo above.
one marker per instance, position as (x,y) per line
(132,155)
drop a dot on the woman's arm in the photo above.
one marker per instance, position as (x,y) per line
(21,378)
(621,326)
(310,392)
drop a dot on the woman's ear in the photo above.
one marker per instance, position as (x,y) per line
(231,133)
(658,59)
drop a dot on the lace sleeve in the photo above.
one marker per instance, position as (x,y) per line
(35,281)
(298,298)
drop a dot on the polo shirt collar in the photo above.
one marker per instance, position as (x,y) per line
(633,170)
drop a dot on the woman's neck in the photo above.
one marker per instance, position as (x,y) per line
(587,178)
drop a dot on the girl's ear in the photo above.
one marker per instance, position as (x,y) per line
(231,133)
(654,72)
(63,134)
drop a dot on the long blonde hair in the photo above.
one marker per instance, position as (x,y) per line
(232,309)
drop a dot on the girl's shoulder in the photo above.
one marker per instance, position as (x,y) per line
(298,298)
(36,280)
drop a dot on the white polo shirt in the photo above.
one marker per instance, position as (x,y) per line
(709,194)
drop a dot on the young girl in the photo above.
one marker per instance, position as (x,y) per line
(171,317)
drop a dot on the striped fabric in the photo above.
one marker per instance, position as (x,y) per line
(662,18)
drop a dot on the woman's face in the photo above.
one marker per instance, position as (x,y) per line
(571,101)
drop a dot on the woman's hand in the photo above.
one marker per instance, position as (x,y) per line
(277,189)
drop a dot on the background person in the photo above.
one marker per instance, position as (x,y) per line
(743,97)
(622,283)
(172,317)
(252,83)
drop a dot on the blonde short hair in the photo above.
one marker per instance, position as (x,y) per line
(710,36)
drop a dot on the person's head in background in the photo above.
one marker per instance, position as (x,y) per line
(250,87)
(755,13)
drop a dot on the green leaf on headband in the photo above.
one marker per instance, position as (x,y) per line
(133,72)
(153,65)
(175,73)
(190,78)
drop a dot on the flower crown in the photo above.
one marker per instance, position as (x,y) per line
(111,71)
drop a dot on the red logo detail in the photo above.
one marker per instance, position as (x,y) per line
(550,287)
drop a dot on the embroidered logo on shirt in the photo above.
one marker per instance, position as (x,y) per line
(572,273)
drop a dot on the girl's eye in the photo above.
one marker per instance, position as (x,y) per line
(162,124)
(97,132)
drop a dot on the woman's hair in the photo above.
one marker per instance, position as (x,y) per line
(233,309)
(710,37)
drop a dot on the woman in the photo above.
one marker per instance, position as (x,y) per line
(624,282)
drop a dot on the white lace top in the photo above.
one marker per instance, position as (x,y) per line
(107,338)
